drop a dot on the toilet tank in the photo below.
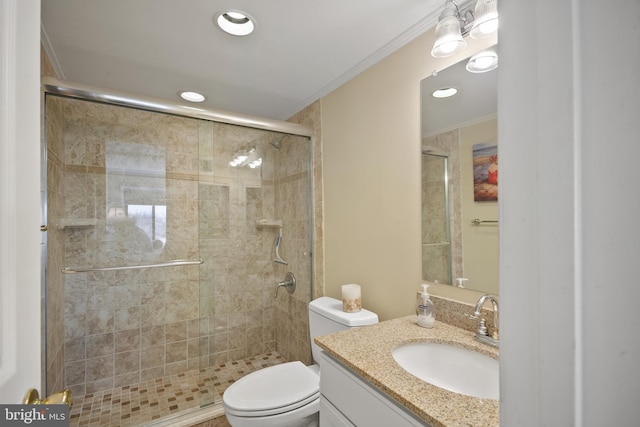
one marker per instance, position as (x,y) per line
(326,316)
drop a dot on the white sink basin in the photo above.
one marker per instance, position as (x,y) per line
(452,368)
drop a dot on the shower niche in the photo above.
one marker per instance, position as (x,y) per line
(157,276)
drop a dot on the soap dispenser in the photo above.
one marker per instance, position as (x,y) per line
(461,281)
(425,310)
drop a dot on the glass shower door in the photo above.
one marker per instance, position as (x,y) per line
(136,199)
(254,228)
(436,239)
(123,258)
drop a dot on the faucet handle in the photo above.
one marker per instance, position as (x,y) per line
(482,327)
(495,334)
(289,283)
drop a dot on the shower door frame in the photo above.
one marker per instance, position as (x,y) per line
(440,154)
(115,97)
(86,92)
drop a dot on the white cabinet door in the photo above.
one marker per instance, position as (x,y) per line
(20,237)
(358,401)
(330,416)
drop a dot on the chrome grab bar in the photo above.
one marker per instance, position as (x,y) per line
(175,262)
(479,221)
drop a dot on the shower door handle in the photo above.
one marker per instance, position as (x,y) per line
(63,397)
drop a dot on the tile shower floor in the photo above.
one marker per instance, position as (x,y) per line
(151,400)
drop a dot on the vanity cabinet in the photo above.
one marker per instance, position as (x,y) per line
(347,400)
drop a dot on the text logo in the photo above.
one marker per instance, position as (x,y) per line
(34,415)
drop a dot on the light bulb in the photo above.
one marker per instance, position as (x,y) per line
(444,92)
(482,62)
(449,40)
(192,96)
(448,47)
(486,19)
(235,22)
(489,27)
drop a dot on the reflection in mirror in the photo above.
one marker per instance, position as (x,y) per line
(453,246)
(436,238)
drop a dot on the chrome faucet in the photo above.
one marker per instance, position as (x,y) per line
(482,333)
(289,283)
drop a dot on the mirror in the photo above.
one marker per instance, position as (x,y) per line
(459,173)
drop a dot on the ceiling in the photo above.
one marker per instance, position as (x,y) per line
(301,49)
(477,99)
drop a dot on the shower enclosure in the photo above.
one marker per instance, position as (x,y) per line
(160,273)
(436,233)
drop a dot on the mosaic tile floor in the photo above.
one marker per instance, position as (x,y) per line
(151,400)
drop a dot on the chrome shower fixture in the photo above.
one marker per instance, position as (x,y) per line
(272,223)
(277,143)
(278,258)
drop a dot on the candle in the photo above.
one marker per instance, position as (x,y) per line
(351,298)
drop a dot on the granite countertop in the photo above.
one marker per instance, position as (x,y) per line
(367,351)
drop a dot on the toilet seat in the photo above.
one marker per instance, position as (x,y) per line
(273,390)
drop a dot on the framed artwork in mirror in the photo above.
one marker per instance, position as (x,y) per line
(485,172)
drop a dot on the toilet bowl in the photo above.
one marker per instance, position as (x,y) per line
(288,395)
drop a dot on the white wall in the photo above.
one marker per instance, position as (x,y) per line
(19,198)
(569,108)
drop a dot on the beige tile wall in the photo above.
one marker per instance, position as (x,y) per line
(311,116)
(294,317)
(53,326)
(435,253)
(291,195)
(449,142)
(126,326)
(55,253)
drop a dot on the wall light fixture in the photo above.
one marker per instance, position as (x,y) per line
(477,18)
(485,23)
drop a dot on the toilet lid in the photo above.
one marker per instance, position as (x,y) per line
(273,390)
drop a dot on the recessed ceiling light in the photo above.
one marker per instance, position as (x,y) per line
(444,92)
(235,22)
(192,96)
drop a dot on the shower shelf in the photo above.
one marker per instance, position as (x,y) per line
(273,223)
(78,222)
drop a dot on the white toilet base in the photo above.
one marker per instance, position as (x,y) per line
(306,416)
(257,401)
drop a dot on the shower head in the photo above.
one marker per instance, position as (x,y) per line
(277,143)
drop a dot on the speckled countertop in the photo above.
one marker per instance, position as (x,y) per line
(367,351)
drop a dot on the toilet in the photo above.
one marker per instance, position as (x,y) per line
(288,395)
